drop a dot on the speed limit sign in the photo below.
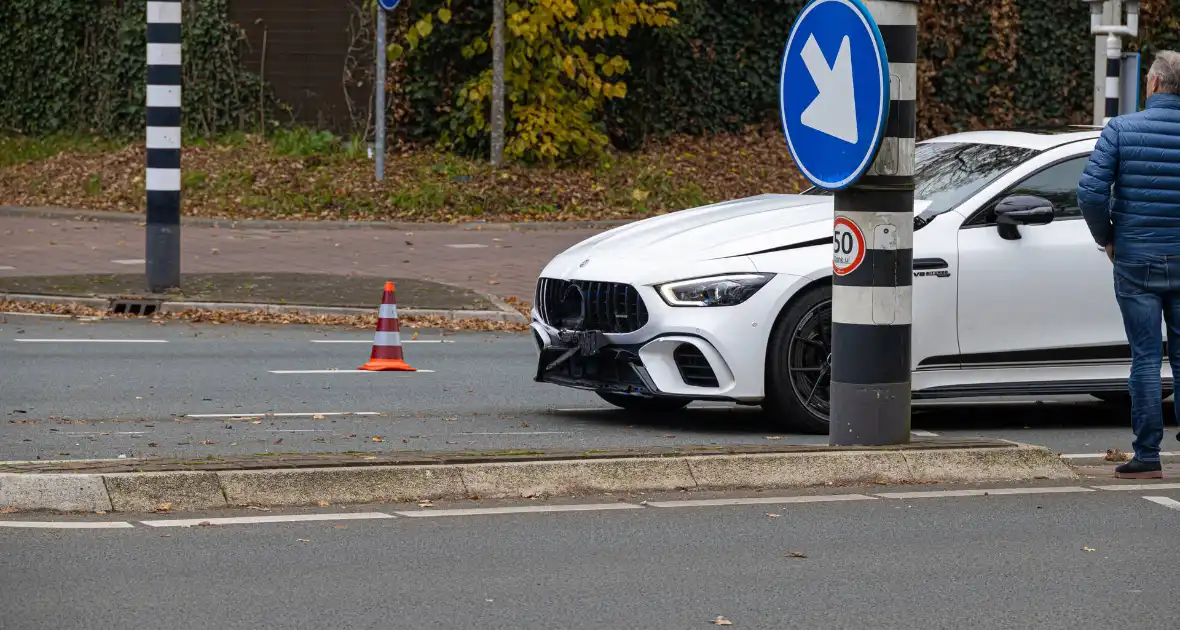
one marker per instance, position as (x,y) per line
(848,245)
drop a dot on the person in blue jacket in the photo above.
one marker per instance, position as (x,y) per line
(1130,197)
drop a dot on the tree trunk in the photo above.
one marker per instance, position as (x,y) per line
(498,28)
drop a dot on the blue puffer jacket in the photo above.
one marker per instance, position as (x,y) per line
(1139,155)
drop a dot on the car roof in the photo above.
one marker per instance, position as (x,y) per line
(1036,139)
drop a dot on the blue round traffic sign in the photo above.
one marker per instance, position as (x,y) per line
(388,5)
(834,91)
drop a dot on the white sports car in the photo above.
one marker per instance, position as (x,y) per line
(733,301)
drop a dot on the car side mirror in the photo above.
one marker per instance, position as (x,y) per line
(1022,210)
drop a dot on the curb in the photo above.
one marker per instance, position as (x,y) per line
(202,490)
(51,212)
(507,314)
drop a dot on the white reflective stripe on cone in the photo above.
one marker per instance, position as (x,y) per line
(387,311)
(387,339)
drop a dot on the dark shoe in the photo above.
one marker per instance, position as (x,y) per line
(1136,469)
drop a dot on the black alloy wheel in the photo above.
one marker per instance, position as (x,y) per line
(799,364)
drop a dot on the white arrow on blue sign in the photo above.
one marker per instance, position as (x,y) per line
(834,91)
(388,5)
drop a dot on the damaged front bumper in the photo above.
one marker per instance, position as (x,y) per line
(587,360)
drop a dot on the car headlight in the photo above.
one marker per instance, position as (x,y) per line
(728,290)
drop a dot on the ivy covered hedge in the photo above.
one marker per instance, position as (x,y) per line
(79,66)
(983,63)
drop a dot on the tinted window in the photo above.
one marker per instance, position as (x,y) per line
(1058,184)
(949,173)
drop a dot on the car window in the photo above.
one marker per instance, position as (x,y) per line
(1057,184)
(948,173)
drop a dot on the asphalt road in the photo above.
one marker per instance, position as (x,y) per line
(103,389)
(1077,560)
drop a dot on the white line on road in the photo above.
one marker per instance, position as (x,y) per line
(349,372)
(524,433)
(1165,501)
(7,268)
(129,261)
(529,509)
(1102,455)
(761,500)
(91,340)
(924,434)
(935,494)
(1141,486)
(64,525)
(282,518)
(301,414)
(370,341)
(467,246)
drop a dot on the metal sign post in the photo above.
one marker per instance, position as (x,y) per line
(379,106)
(162,179)
(1106,18)
(849,87)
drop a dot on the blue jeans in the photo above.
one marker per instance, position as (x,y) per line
(1147,287)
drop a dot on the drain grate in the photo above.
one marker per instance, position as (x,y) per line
(143,308)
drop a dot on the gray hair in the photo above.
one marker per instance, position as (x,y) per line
(1167,67)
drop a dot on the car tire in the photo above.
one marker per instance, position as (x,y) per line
(644,404)
(1121,398)
(800,345)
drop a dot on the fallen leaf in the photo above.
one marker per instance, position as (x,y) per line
(1088,549)
(1116,455)
(302,540)
(208,442)
(163,507)
(153,444)
(426,504)
(796,554)
(318,416)
(322,503)
(377,438)
(772,515)
(255,422)
(278,441)
(8,510)
(774,437)
(722,621)
(100,511)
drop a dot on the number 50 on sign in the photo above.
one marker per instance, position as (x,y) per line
(848,246)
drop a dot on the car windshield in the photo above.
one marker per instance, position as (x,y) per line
(949,173)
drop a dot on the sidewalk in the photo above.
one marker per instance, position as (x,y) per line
(500,261)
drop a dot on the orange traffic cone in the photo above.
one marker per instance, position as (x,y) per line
(387,343)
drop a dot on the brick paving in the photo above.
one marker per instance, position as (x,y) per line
(503,262)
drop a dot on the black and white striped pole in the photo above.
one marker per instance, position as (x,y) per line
(1114,68)
(872,306)
(163,145)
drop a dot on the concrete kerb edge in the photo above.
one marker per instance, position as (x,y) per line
(195,490)
(507,315)
(278,224)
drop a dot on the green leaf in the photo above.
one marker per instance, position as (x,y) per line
(424,28)
(394,52)
(444,15)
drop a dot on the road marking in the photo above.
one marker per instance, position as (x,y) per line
(924,434)
(1103,455)
(7,268)
(370,341)
(1165,501)
(348,372)
(1141,486)
(528,509)
(761,500)
(282,518)
(64,525)
(129,261)
(301,414)
(524,433)
(91,340)
(467,246)
(934,494)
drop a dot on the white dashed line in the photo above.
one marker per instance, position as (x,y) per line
(64,525)
(1165,501)
(301,414)
(1103,455)
(937,494)
(924,434)
(91,340)
(1140,487)
(761,500)
(529,509)
(7,268)
(129,261)
(370,341)
(282,518)
(349,372)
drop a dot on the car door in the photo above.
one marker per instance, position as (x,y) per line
(1040,306)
